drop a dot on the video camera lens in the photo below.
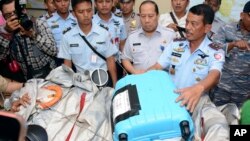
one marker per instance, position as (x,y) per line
(25,22)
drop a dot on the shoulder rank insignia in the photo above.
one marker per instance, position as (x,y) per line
(215,46)
(103,26)
(66,30)
(117,23)
(119,14)
(48,16)
(73,24)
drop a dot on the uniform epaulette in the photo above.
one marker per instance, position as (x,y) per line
(215,46)
(48,17)
(119,14)
(106,28)
(66,30)
(179,39)
(73,24)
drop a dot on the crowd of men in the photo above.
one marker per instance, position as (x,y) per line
(206,57)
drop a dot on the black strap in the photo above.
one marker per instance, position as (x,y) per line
(28,67)
(172,16)
(93,49)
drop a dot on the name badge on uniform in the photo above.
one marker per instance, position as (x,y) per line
(176,54)
(74,45)
(100,43)
(93,58)
(136,44)
(55,26)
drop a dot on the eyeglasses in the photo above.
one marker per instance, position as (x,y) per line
(8,15)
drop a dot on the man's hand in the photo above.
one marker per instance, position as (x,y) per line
(173,26)
(139,71)
(23,101)
(12,24)
(242,45)
(190,96)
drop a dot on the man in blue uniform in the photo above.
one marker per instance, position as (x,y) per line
(195,67)
(75,50)
(61,21)
(112,23)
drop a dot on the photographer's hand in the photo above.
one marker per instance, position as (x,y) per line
(12,24)
(30,33)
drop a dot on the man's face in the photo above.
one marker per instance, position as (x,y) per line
(104,6)
(148,17)
(62,6)
(50,6)
(127,7)
(180,6)
(9,10)
(213,4)
(195,28)
(245,17)
(83,13)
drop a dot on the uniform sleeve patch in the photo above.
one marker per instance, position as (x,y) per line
(216,46)
(218,56)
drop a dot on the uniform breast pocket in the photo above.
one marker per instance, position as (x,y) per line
(174,68)
(76,50)
(200,72)
(138,55)
(100,47)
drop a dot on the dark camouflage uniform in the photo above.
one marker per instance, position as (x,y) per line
(235,82)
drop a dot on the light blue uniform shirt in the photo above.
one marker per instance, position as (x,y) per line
(58,25)
(74,48)
(115,27)
(189,68)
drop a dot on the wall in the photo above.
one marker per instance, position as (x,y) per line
(164,6)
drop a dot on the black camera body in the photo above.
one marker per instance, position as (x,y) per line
(25,22)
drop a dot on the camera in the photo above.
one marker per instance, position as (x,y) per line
(25,22)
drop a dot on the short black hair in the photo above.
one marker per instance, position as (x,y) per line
(152,2)
(205,11)
(75,2)
(111,0)
(218,2)
(2,2)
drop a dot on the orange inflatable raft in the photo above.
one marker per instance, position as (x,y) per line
(54,98)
